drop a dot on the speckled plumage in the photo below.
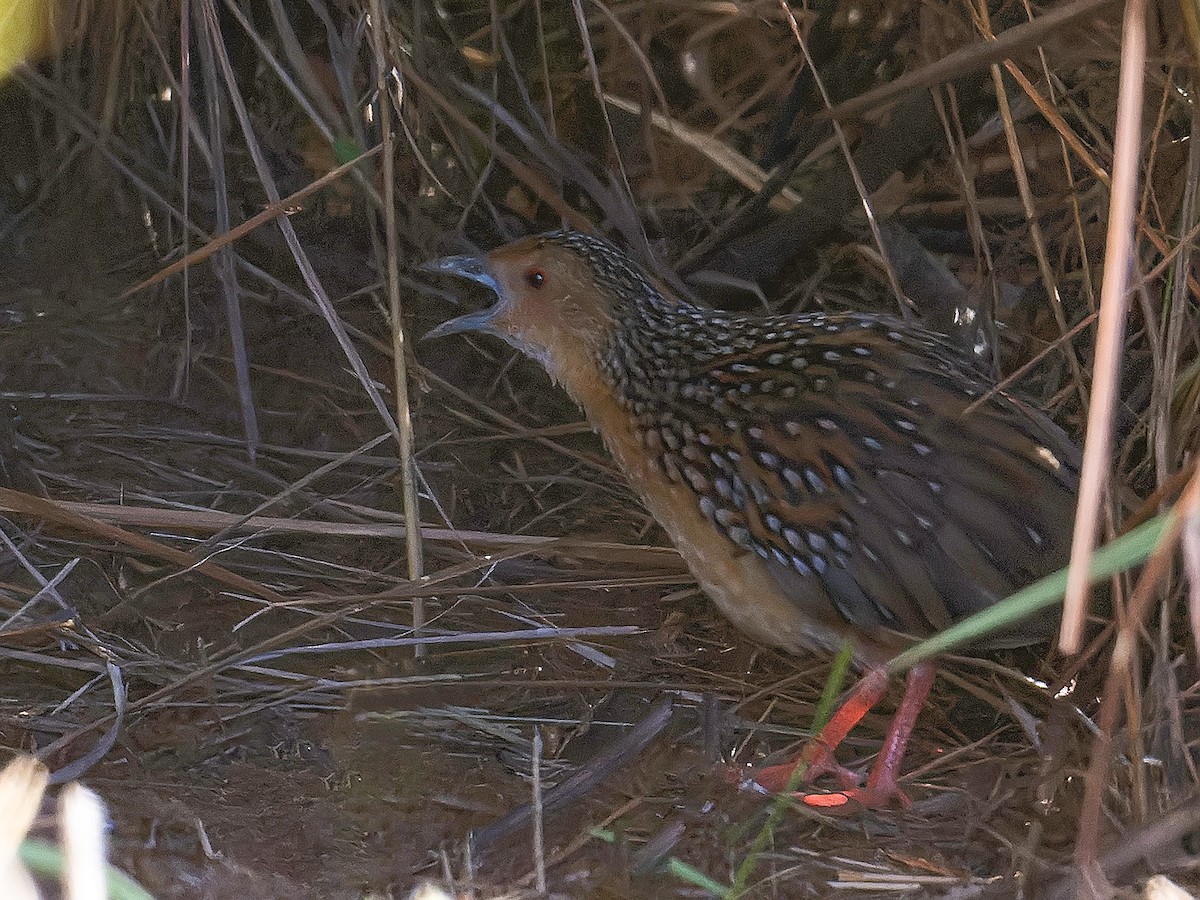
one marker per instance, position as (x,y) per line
(832,453)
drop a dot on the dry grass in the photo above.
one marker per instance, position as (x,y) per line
(206,608)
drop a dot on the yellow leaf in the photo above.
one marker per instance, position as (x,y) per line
(24,30)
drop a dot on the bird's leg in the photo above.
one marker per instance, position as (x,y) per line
(817,755)
(882,786)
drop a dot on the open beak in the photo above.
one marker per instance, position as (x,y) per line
(472,268)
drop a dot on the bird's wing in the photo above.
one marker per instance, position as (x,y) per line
(850,463)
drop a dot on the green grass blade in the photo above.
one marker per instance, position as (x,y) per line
(678,868)
(1126,551)
(46,859)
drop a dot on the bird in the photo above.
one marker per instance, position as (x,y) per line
(828,477)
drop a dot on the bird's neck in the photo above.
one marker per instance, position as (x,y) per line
(656,342)
(633,356)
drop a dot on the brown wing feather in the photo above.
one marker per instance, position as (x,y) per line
(844,456)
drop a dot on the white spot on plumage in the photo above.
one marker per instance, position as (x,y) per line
(698,482)
(1046,455)
(770,460)
(815,481)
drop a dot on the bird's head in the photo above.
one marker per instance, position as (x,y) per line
(558,296)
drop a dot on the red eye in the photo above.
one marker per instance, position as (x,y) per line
(535,277)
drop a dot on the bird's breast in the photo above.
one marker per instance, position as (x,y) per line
(738,581)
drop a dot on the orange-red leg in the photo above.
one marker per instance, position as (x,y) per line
(882,784)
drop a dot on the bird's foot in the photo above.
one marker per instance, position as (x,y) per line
(882,786)
(783,778)
(880,792)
